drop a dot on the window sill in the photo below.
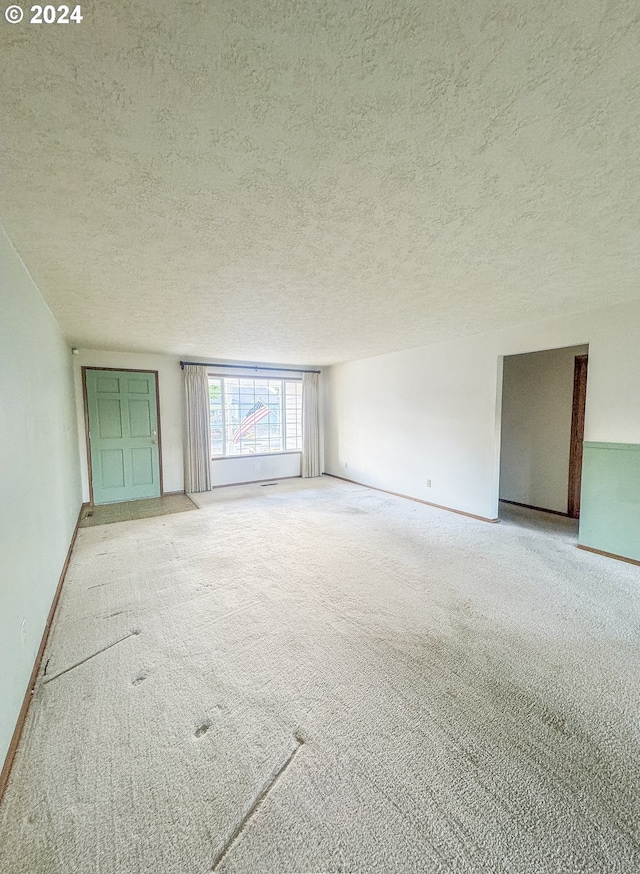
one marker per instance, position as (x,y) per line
(257,454)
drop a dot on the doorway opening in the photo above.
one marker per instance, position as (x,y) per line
(542,430)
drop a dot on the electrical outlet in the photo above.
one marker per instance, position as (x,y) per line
(346,465)
(428,483)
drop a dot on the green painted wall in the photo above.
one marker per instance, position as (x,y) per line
(39,475)
(610,500)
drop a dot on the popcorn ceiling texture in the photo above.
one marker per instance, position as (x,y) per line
(317,677)
(285,181)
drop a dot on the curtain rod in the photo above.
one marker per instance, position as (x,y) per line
(247,367)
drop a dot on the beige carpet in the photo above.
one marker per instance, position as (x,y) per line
(317,677)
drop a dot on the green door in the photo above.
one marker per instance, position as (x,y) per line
(123,435)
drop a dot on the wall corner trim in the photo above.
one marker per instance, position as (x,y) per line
(608,554)
(410,498)
(17,732)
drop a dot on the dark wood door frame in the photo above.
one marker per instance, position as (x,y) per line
(85,400)
(577,434)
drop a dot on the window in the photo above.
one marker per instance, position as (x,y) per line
(255,416)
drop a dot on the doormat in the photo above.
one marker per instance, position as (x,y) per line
(105,514)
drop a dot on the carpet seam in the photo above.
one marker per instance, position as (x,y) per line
(88,658)
(266,789)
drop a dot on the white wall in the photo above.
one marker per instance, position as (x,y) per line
(537,404)
(227,471)
(223,471)
(170,392)
(40,477)
(434,412)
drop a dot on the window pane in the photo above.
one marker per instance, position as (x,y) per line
(293,417)
(215,406)
(254,415)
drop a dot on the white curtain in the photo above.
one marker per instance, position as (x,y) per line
(310,426)
(197,456)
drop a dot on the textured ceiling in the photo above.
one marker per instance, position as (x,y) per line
(313,182)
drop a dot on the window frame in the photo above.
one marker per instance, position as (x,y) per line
(283,423)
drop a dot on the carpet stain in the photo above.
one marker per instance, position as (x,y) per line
(557,723)
(494,681)
(140,679)
(202,729)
